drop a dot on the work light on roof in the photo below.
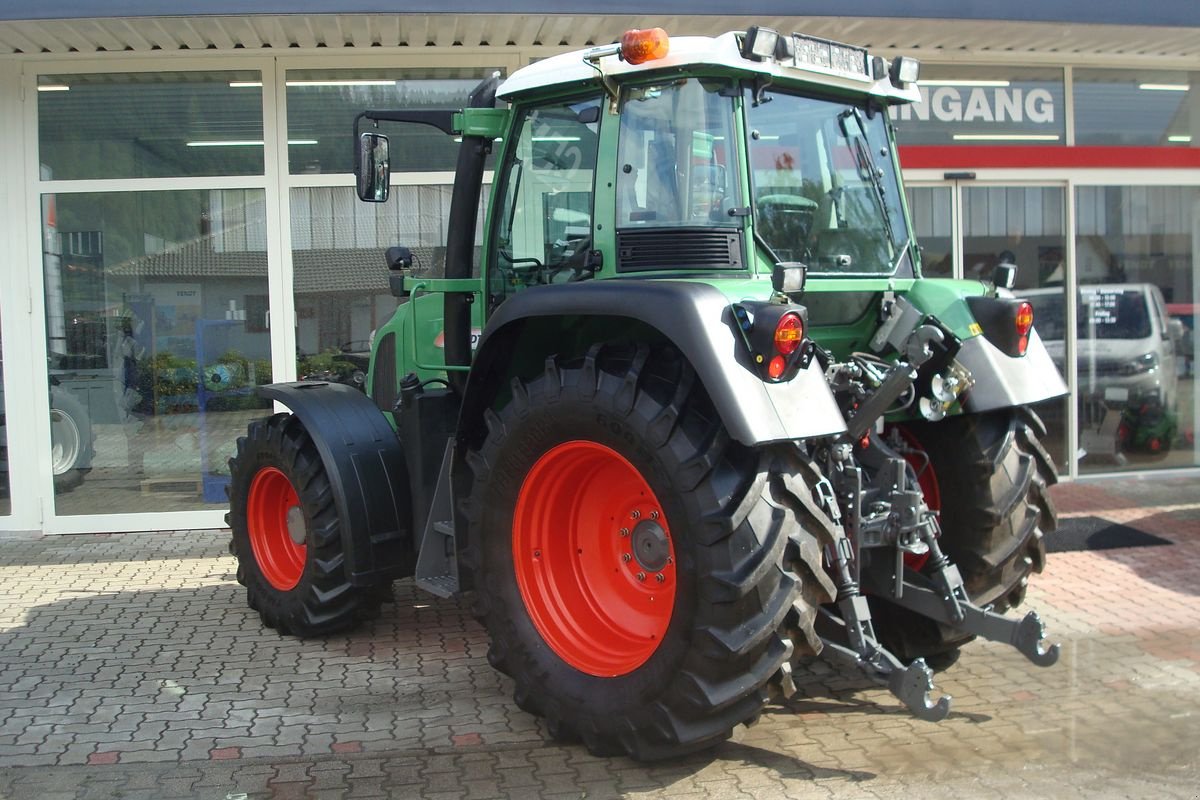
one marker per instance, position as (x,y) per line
(805,52)
(760,43)
(904,72)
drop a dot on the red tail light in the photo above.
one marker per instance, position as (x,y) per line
(789,333)
(1024,324)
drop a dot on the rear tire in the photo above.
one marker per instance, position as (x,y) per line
(286,533)
(992,474)
(591,666)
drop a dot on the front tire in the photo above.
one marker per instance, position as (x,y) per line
(594,479)
(286,533)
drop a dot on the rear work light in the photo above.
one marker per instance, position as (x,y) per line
(640,46)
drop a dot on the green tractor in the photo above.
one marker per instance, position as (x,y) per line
(687,416)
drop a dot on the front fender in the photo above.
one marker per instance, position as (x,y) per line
(697,319)
(365,465)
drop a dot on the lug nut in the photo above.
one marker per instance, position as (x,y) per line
(653,515)
(641,576)
(537,553)
(635,514)
(626,557)
(624,531)
(660,577)
(670,559)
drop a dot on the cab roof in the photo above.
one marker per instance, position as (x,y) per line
(694,51)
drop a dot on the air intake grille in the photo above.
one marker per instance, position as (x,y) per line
(678,248)
(383,368)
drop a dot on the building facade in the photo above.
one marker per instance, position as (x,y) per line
(179,222)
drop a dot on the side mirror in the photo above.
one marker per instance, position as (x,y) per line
(372,167)
(1176,331)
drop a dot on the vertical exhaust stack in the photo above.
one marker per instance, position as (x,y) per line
(464,210)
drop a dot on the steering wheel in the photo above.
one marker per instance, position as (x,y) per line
(787,221)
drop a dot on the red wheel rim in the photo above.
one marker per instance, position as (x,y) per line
(272,499)
(918,459)
(594,559)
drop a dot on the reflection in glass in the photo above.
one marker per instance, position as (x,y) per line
(340,282)
(1136,107)
(157,329)
(150,125)
(1136,325)
(322,105)
(932,209)
(1025,225)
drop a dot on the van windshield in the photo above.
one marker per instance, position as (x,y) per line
(1103,314)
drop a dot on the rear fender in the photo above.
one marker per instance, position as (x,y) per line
(697,319)
(1003,381)
(365,464)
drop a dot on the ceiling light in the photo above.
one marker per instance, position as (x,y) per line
(245,84)
(955,82)
(54,87)
(363,82)
(1182,139)
(243,142)
(1006,137)
(1164,87)
(556,138)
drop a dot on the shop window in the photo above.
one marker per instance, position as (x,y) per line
(322,105)
(1136,107)
(155,304)
(150,125)
(982,105)
(932,210)
(340,284)
(1135,247)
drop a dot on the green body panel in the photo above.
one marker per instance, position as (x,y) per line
(417,326)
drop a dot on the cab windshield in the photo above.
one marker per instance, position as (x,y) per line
(824,187)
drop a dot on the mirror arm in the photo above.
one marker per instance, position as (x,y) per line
(442,119)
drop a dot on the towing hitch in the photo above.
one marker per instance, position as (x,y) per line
(937,593)
(1025,634)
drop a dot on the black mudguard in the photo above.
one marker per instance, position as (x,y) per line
(365,464)
(698,319)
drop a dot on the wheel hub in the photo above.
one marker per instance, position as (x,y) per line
(297,530)
(651,547)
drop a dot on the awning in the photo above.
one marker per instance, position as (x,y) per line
(1160,30)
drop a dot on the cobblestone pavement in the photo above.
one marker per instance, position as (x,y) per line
(130,667)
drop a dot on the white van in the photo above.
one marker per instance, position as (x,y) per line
(1125,341)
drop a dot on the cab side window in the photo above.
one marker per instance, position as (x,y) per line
(543,226)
